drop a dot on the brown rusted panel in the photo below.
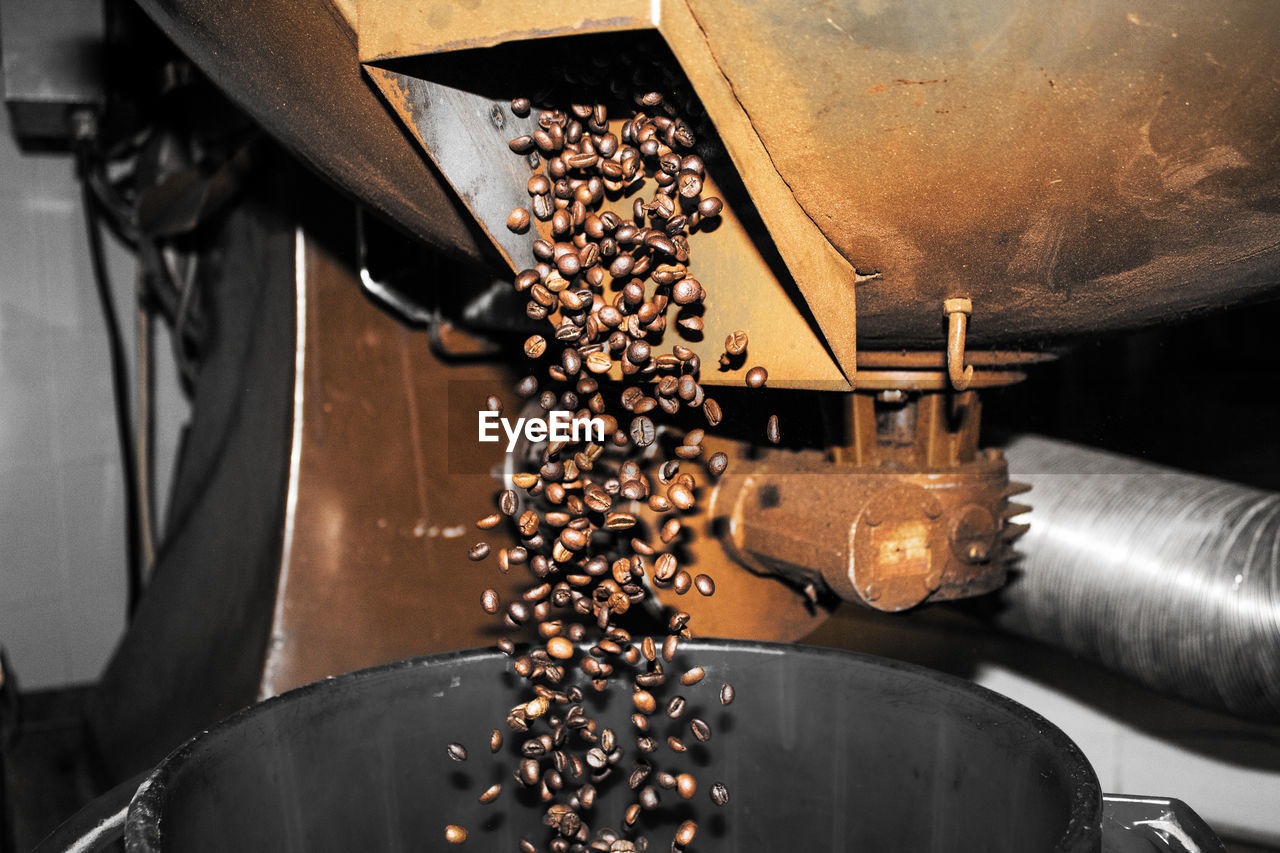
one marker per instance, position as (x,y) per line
(744,289)
(391,30)
(1071,167)
(388,489)
(292,66)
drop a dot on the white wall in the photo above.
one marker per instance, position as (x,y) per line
(62,540)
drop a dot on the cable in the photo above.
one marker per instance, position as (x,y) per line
(85,133)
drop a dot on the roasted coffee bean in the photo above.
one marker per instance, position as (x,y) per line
(535,346)
(478,551)
(686,786)
(599,362)
(559,647)
(711,410)
(490,794)
(675,707)
(682,582)
(756,377)
(700,729)
(710,207)
(457,752)
(520,107)
(669,647)
(771,430)
(680,496)
(495,740)
(717,463)
(642,431)
(705,585)
(644,702)
(726,694)
(455,834)
(518,221)
(692,676)
(489,601)
(719,794)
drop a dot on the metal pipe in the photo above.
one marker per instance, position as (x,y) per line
(1168,577)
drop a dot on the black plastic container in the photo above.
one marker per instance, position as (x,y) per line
(821,751)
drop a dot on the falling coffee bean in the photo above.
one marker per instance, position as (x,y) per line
(457,752)
(756,377)
(518,221)
(771,430)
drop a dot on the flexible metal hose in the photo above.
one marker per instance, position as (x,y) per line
(1165,576)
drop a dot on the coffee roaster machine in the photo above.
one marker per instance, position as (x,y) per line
(922,202)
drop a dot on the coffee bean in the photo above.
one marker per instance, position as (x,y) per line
(711,411)
(644,702)
(719,794)
(642,431)
(675,707)
(455,834)
(756,377)
(495,740)
(599,362)
(665,568)
(457,752)
(489,601)
(700,729)
(527,387)
(726,694)
(559,647)
(520,107)
(705,585)
(478,551)
(490,794)
(648,798)
(771,430)
(686,786)
(718,462)
(681,496)
(489,521)
(710,207)
(518,221)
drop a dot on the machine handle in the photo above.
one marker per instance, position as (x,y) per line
(97,825)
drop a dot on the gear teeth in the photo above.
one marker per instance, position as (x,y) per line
(1013,509)
(1013,529)
(1015,489)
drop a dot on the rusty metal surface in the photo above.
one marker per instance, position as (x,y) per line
(466,134)
(292,66)
(377,564)
(906,510)
(1071,167)
(391,32)
(889,538)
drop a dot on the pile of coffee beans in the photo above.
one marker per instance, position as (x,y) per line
(606,284)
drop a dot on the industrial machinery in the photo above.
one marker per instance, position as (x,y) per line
(922,201)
